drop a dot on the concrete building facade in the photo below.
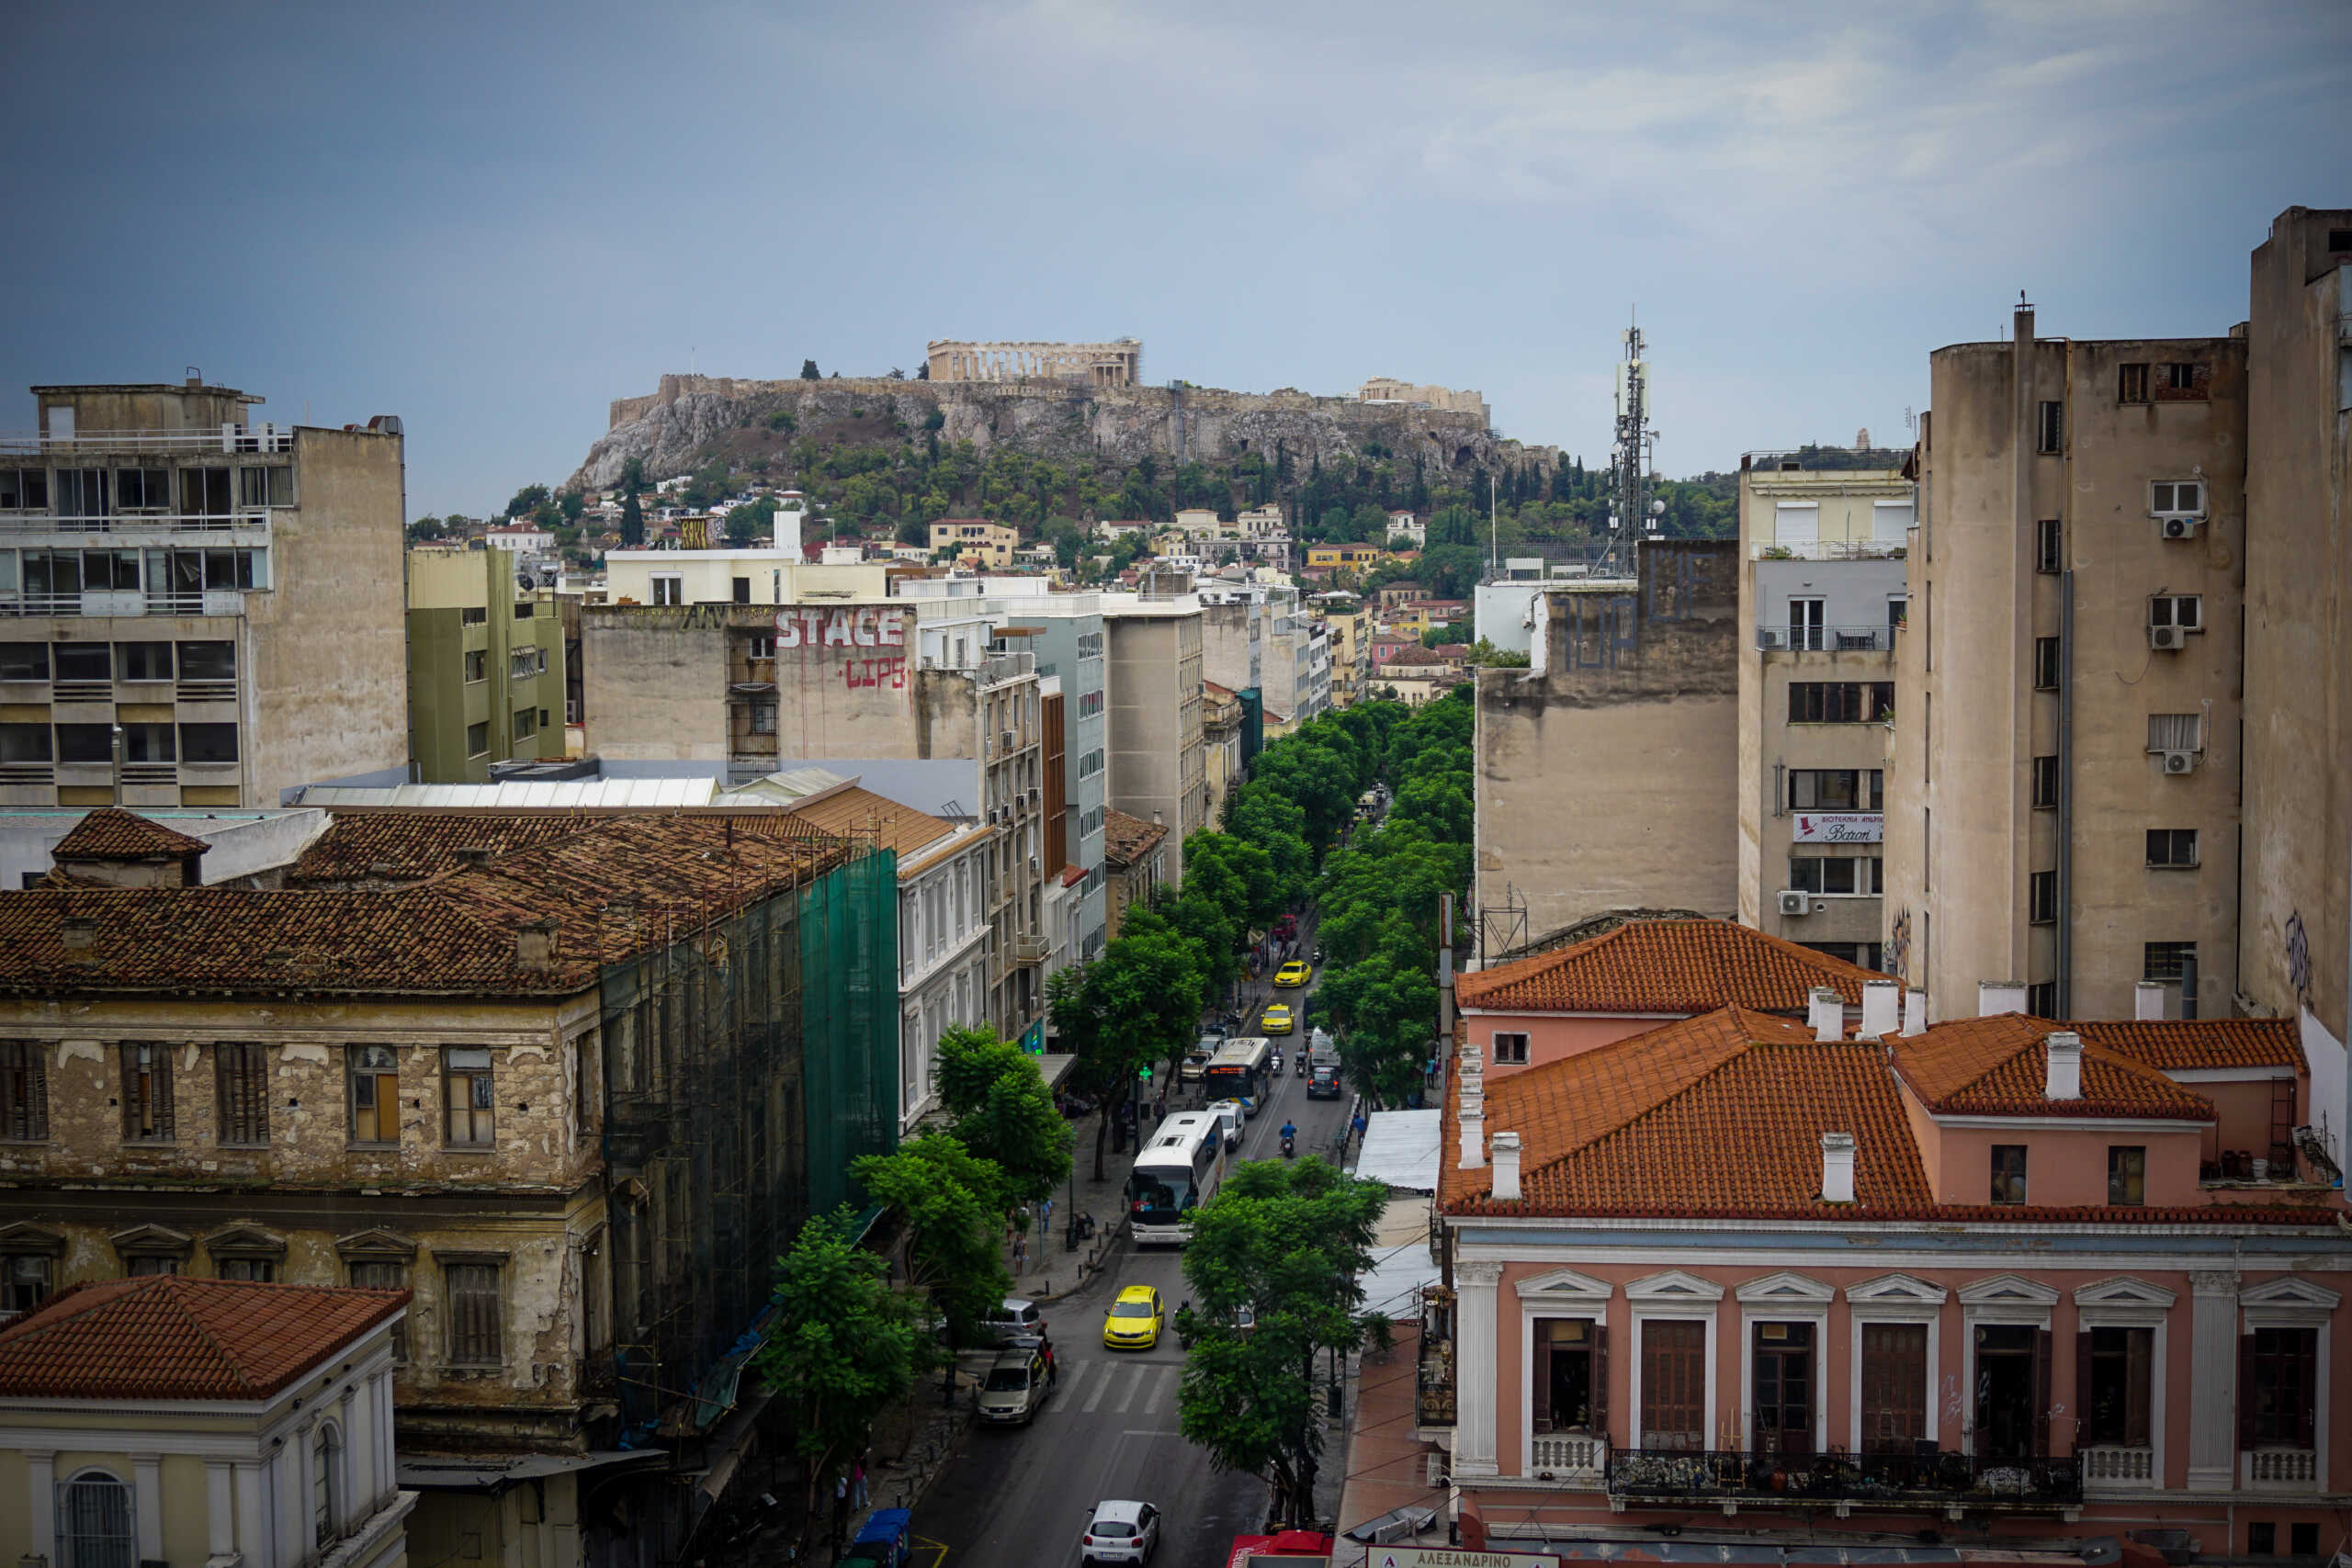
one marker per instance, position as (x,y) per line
(487,674)
(170,567)
(1157,771)
(1607,768)
(2064,770)
(1822,588)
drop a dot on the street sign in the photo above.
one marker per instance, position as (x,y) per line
(1452,1557)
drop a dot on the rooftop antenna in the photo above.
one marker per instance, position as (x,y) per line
(1629,456)
(1491,523)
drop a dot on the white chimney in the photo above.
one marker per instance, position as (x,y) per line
(1827,1014)
(1507,1167)
(1995,997)
(1882,1008)
(2065,1080)
(1837,1167)
(1915,1012)
(791,511)
(1473,1109)
(2148,999)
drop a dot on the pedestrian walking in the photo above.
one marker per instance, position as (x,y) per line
(1356,1126)
(857,1483)
(1020,1253)
(840,1511)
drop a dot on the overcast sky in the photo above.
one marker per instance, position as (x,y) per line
(491,220)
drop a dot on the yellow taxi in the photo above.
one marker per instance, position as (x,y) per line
(1297,972)
(1276,1019)
(1134,1320)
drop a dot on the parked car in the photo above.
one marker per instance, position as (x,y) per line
(885,1540)
(1014,1316)
(1016,1384)
(1189,1070)
(1134,1320)
(1120,1532)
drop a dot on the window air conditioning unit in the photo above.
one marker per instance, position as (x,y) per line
(1795,902)
(2180,762)
(2178,527)
(2165,636)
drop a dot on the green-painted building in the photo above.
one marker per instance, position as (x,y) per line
(485,666)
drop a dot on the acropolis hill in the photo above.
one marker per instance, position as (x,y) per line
(692,419)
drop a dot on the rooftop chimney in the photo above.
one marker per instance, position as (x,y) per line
(1507,1167)
(1995,997)
(2065,1080)
(1827,1013)
(2148,999)
(1473,1111)
(1837,1167)
(78,933)
(534,944)
(1882,1008)
(1915,1012)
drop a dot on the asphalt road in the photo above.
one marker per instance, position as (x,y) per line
(1019,1497)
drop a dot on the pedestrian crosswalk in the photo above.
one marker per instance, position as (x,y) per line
(1094,1386)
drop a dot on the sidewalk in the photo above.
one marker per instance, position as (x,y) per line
(1387,1466)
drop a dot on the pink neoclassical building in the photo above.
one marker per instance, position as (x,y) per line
(1747,1282)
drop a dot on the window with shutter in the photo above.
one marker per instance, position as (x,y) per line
(2278,1392)
(24,1091)
(383,1274)
(2012,1391)
(473,1307)
(146,1093)
(2113,1386)
(1562,1397)
(1674,1383)
(240,1071)
(1895,1387)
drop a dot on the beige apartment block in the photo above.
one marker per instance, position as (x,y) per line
(2063,766)
(1159,771)
(2295,931)
(1822,591)
(201,581)
(976,542)
(1606,769)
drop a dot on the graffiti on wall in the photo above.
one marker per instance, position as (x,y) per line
(2299,958)
(821,628)
(1897,954)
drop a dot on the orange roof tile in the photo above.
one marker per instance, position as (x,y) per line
(856,812)
(1127,839)
(409,845)
(112,834)
(169,1337)
(2188,1044)
(1664,966)
(1999,1066)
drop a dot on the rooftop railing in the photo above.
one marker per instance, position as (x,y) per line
(247,517)
(82,443)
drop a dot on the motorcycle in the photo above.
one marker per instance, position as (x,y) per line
(1276,1064)
(1290,1146)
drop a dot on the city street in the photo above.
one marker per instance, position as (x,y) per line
(1020,1498)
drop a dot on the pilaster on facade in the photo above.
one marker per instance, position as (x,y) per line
(2213,1389)
(1478,1285)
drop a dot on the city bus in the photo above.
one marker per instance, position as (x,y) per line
(1238,1071)
(1178,1171)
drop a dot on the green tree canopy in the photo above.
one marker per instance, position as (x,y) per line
(1003,1111)
(952,1203)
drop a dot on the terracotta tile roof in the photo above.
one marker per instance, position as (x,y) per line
(1721,1117)
(168,1337)
(1126,839)
(111,834)
(1999,1065)
(1664,966)
(856,812)
(454,933)
(2186,1044)
(409,845)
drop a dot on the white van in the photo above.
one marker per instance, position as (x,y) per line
(1231,1113)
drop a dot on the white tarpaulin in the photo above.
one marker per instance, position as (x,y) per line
(1399,1269)
(1401,1149)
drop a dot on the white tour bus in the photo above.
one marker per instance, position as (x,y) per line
(1178,1171)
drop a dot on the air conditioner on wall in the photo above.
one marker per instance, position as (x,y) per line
(2178,527)
(2165,637)
(1794,902)
(2180,762)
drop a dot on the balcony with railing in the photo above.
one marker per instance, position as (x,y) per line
(243,519)
(1433,1384)
(79,443)
(103,601)
(2112,1468)
(1949,1482)
(1571,1458)
(2281,1468)
(1782,637)
(1829,549)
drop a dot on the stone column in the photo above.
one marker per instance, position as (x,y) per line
(1474,1372)
(289,1478)
(41,1483)
(253,1534)
(387,1472)
(359,1450)
(147,1505)
(2212,1386)
(220,1508)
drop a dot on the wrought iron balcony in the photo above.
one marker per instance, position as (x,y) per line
(1951,1481)
(1433,1385)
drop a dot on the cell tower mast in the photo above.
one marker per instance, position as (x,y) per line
(1632,511)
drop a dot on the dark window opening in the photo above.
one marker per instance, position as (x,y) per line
(2053,428)
(2172,846)
(2047,534)
(2012,1391)
(2045,783)
(2127,1175)
(2131,384)
(1570,1375)
(2164,960)
(2277,1388)
(2115,1368)
(2008,1173)
(2045,664)
(1781,1359)
(2041,898)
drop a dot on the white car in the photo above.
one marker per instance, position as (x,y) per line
(1120,1532)
(1232,1114)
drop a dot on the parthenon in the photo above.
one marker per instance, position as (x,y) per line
(1114,364)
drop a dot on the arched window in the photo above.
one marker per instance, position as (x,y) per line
(94,1523)
(326,1485)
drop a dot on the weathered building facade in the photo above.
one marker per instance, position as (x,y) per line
(1157,771)
(488,677)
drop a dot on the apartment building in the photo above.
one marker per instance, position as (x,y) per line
(2063,763)
(487,671)
(573,1084)
(2295,927)
(1158,770)
(1221,727)
(1347,624)
(183,578)
(1139,863)
(976,542)
(1066,633)
(1822,583)
(1607,768)
(1999,1302)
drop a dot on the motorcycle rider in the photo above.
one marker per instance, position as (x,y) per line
(1290,1133)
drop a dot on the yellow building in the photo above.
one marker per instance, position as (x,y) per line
(976,541)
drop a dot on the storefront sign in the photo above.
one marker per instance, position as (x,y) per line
(1838,827)
(1452,1557)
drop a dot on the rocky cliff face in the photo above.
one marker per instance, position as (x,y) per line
(694,418)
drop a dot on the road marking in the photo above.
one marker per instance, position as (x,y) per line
(938,1548)
(1070,1373)
(1138,1432)
(1159,1390)
(1101,1387)
(1135,1385)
